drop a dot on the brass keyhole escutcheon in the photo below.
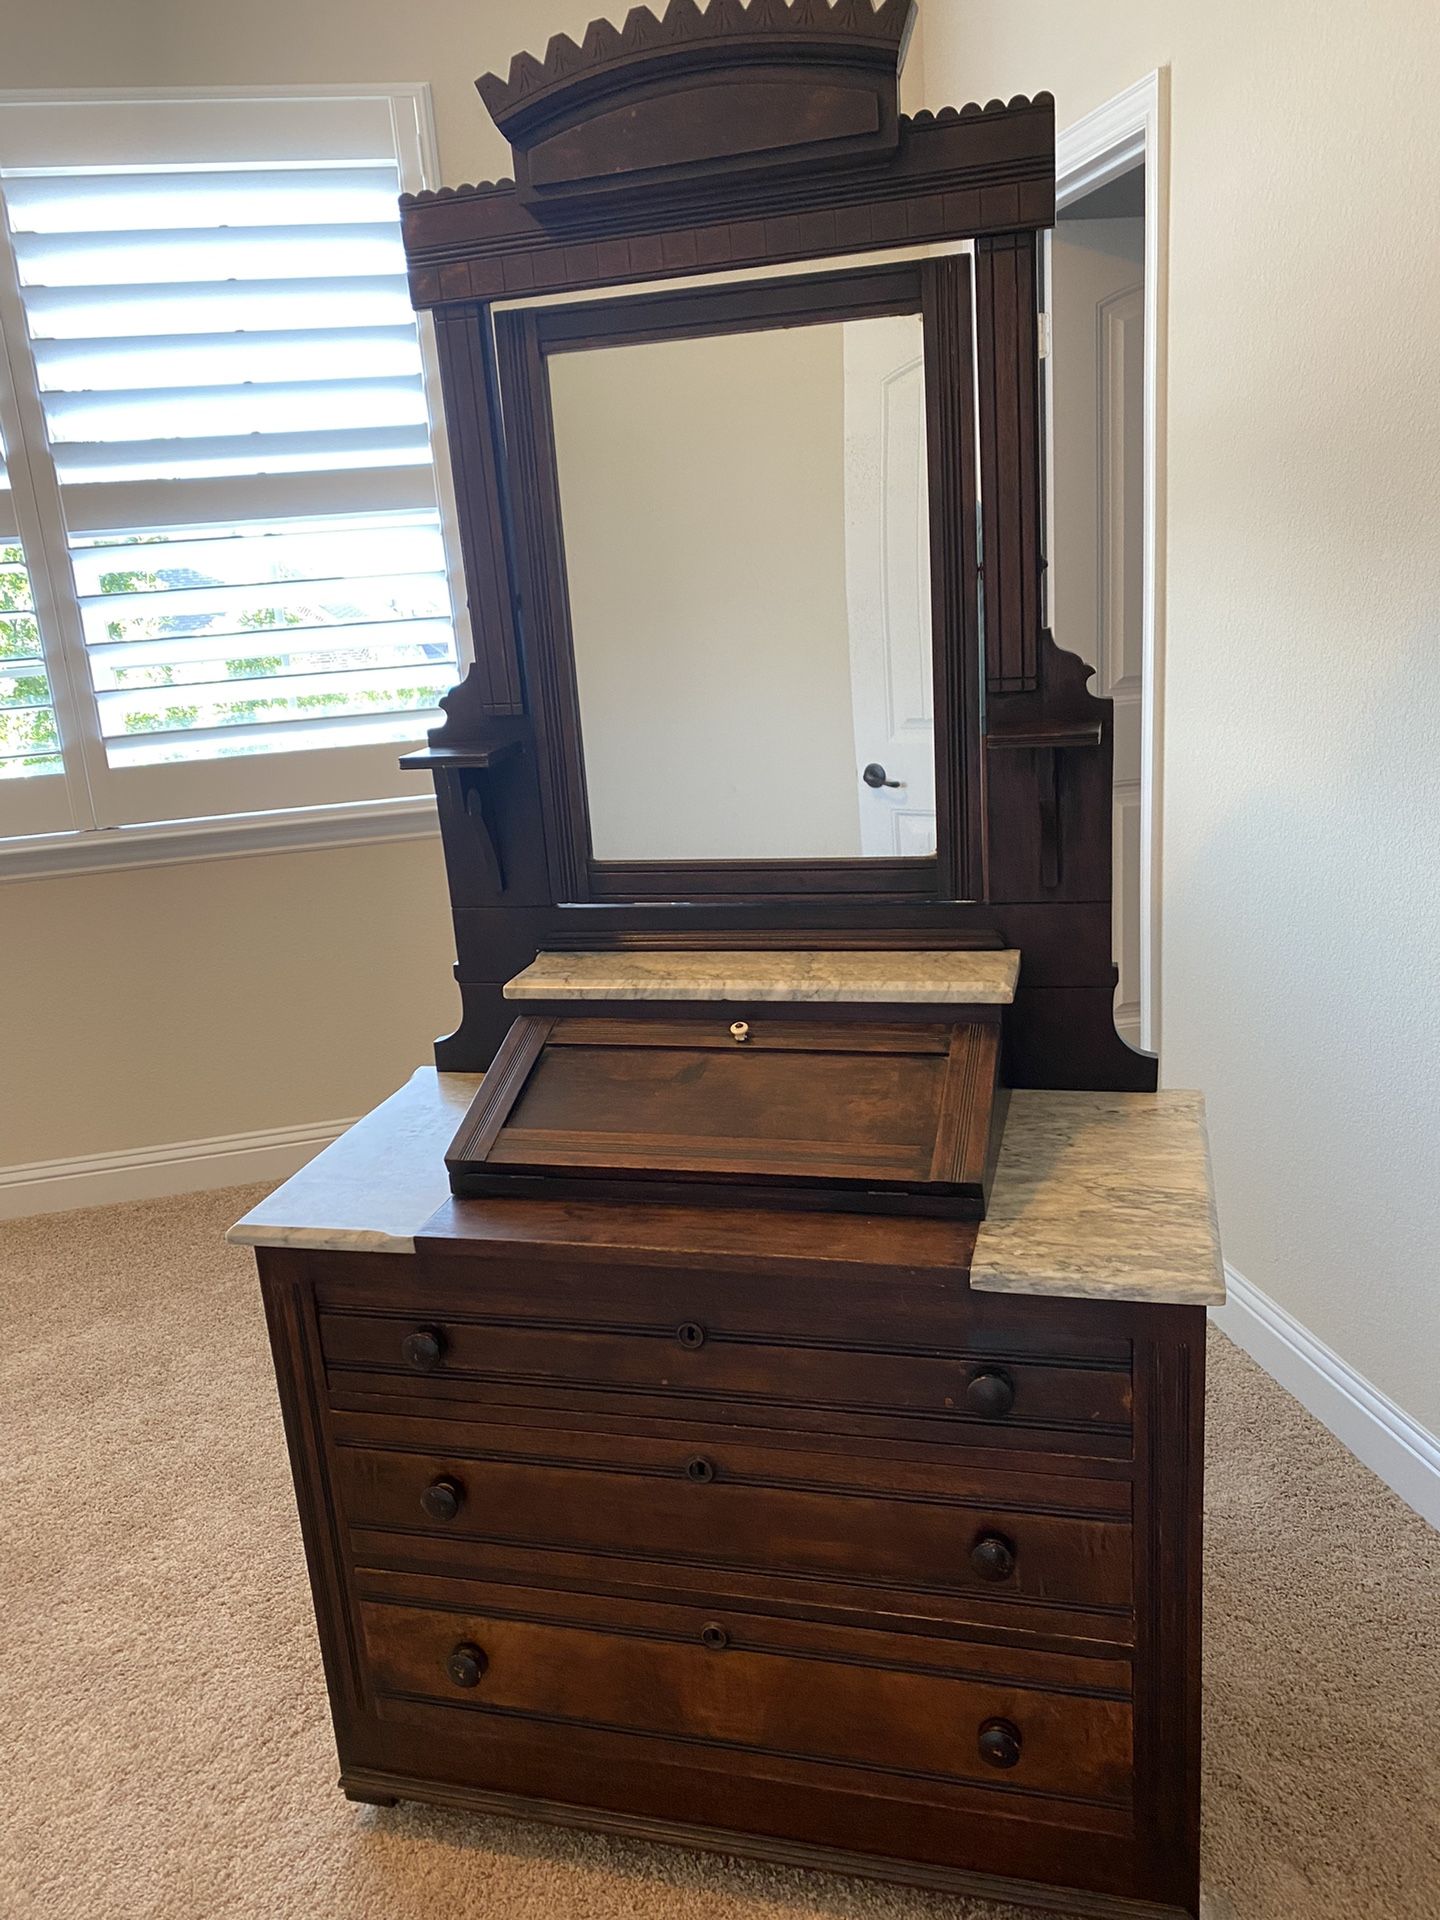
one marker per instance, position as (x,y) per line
(739,1031)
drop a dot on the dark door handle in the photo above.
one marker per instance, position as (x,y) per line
(874,776)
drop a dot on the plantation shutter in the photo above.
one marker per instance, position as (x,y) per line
(234,403)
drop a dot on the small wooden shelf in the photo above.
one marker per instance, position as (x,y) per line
(1060,733)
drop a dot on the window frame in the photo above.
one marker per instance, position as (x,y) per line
(62,830)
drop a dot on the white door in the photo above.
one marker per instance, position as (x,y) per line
(1097,306)
(887,577)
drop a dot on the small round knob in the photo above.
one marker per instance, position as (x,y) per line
(1000,1743)
(700,1469)
(991,1395)
(714,1636)
(441,1499)
(993,1557)
(423,1348)
(739,1031)
(690,1334)
(466,1664)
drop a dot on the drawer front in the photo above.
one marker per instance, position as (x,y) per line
(975,1397)
(912,1710)
(1033,1540)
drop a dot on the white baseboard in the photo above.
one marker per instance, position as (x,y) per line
(150,1173)
(1404,1454)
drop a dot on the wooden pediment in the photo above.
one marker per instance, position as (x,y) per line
(689,94)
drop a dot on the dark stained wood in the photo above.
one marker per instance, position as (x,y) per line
(748,1696)
(526,340)
(758,1110)
(759,1529)
(646,106)
(894,1615)
(953,175)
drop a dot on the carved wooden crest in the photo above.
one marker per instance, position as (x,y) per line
(760,88)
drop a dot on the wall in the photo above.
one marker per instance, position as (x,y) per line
(702,487)
(327,973)
(1302,726)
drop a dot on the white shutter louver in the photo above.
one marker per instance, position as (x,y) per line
(232,389)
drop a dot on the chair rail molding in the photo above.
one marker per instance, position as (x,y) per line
(1133,129)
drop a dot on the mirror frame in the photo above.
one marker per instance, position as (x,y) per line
(939,291)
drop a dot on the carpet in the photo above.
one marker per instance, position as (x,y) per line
(167,1750)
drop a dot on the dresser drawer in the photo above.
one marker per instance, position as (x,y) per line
(1032,1545)
(978,1395)
(932,1712)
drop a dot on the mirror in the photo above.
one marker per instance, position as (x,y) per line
(746,545)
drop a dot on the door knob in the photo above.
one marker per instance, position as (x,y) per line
(874,776)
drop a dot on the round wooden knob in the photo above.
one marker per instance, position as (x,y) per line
(423,1348)
(690,1334)
(441,1499)
(700,1469)
(714,1636)
(1000,1743)
(466,1664)
(993,1557)
(991,1395)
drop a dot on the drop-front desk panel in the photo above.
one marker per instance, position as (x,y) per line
(832,1539)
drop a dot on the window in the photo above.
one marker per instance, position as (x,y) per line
(218,417)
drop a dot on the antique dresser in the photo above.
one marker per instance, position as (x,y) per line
(750,1392)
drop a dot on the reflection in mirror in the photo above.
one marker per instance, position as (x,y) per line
(747,555)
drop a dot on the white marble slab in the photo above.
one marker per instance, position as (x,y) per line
(371,1190)
(1097,1196)
(946,979)
(1103,1196)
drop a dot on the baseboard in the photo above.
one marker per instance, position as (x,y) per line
(1402,1452)
(150,1173)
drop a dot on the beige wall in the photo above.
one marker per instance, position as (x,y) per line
(1302,747)
(702,488)
(306,986)
(1302,722)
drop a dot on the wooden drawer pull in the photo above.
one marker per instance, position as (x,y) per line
(993,1557)
(714,1636)
(690,1334)
(1000,1743)
(700,1470)
(442,1498)
(423,1349)
(466,1664)
(990,1394)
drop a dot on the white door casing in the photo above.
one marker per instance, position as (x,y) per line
(1131,130)
(1097,301)
(887,579)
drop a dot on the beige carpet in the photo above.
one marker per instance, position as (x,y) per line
(166,1747)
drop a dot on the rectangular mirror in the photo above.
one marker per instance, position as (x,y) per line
(746,547)
(744,524)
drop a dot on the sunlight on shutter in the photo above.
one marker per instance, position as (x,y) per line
(232,388)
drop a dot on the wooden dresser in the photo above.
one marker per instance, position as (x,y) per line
(681,1479)
(767,1533)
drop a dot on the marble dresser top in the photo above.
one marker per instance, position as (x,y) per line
(947,979)
(1103,1196)
(373,1189)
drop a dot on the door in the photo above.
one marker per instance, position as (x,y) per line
(887,580)
(1097,303)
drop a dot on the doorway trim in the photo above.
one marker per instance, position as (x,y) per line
(1131,130)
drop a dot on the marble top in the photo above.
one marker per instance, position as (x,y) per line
(1103,1196)
(373,1189)
(947,979)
